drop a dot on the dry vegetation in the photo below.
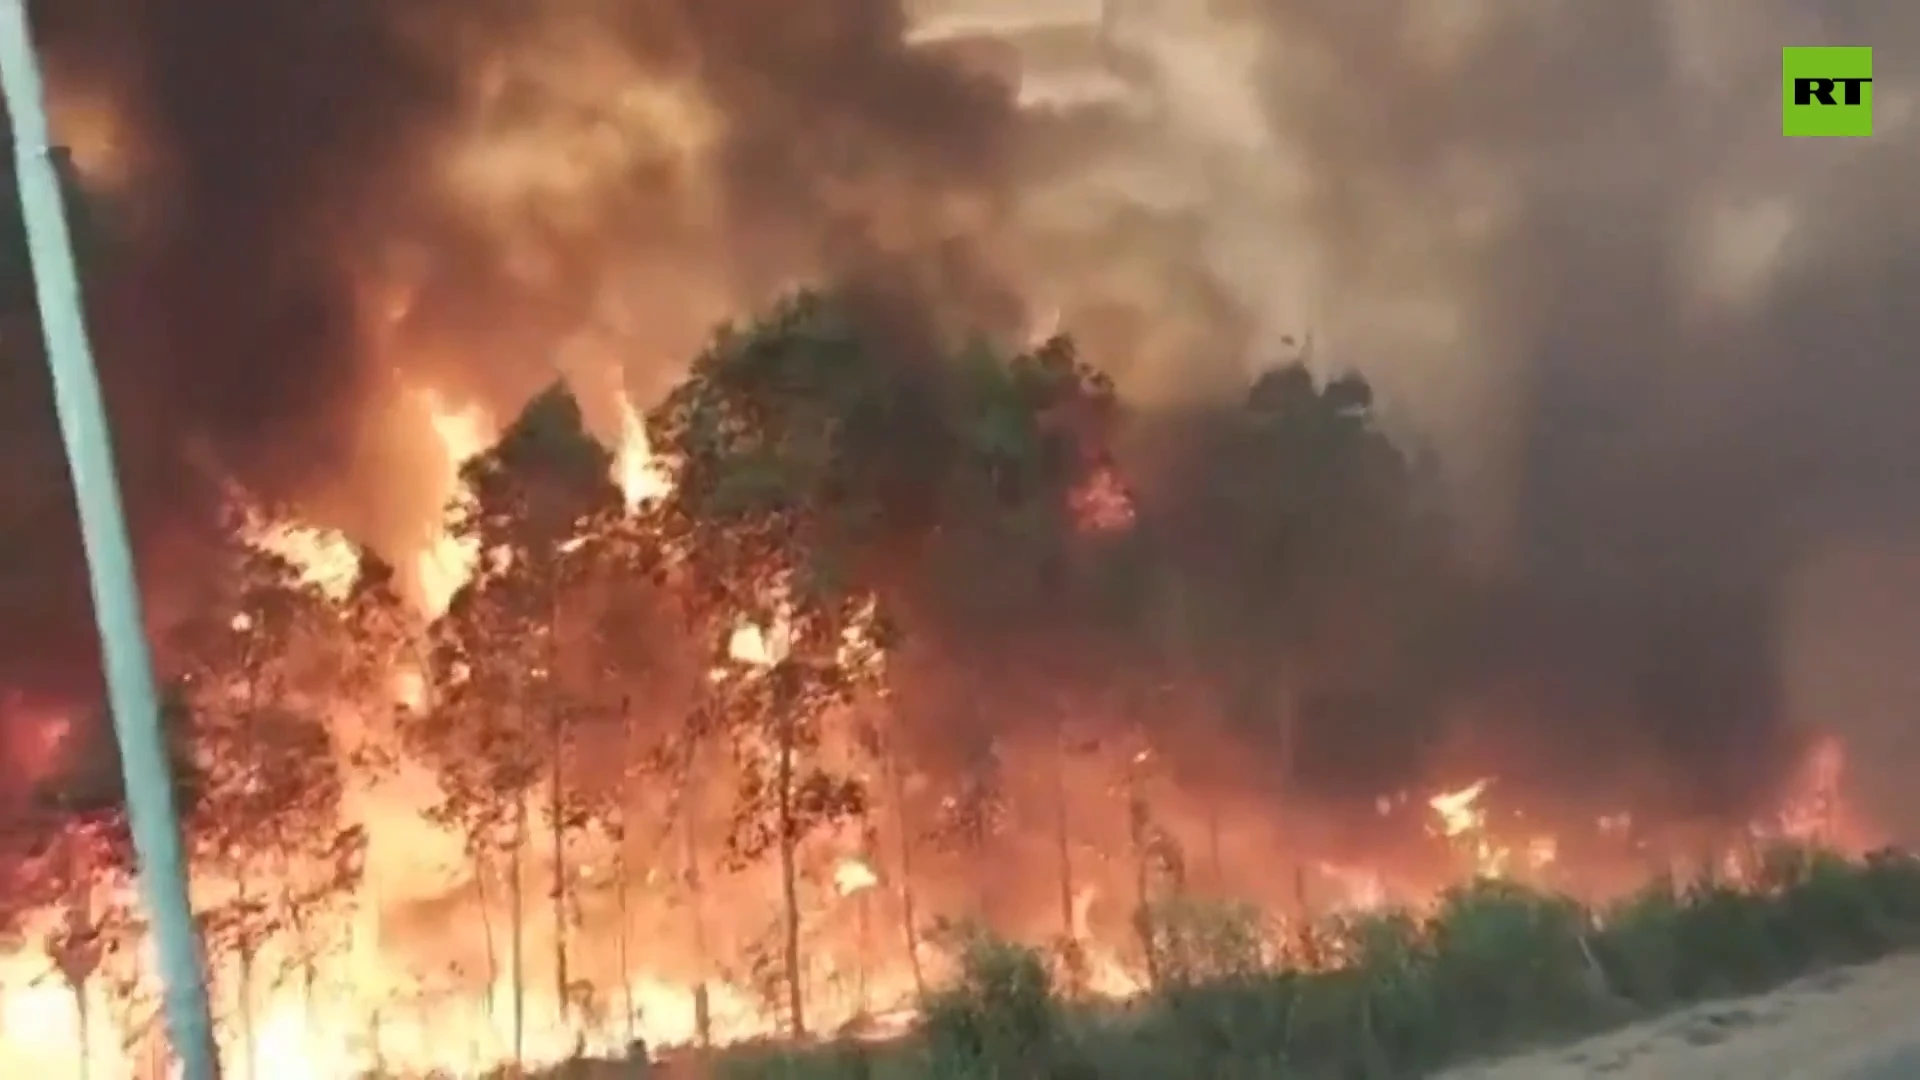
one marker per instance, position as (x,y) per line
(1490,968)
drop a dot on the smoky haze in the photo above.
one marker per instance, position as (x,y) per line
(1661,349)
(1674,371)
(331,208)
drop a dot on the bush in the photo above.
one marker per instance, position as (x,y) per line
(999,1020)
(1488,968)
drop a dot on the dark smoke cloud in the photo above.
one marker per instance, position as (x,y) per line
(263,141)
(1658,347)
(1671,446)
(332,203)
(1543,229)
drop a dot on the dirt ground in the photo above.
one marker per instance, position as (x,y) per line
(1855,1024)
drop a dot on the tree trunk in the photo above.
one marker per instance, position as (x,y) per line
(301,934)
(83,1016)
(486,925)
(80,952)
(897,791)
(376,1035)
(625,813)
(249,1039)
(696,899)
(1138,825)
(1063,848)
(249,944)
(556,808)
(1075,971)
(863,979)
(309,996)
(622,945)
(517,927)
(789,876)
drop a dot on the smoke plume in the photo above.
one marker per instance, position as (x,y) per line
(1659,348)
(319,212)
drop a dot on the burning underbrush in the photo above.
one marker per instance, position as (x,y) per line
(1481,969)
(720,731)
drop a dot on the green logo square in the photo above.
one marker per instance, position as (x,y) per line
(1826,90)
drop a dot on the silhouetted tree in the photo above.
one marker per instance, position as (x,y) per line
(261,665)
(784,479)
(502,713)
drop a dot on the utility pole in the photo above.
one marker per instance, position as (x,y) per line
(131,694)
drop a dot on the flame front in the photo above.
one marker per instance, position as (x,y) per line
(394,978)
(368,1004)
(447,560)
(641,476)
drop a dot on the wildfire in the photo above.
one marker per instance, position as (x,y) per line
(363,1006)
(1459,810)
(641,476)
(325,558)
(1103,504)
(369,1000)
(759,646)
(1463,822)
(448,561)
(853,875)
(1812,810)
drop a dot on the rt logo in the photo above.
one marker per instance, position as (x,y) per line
(1826,91)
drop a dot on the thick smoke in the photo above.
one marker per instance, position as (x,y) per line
(1683,439)
(1658,346)
(1662,348)
(327,209)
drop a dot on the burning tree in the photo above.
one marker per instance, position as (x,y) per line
(261,665)
(781,441)
(386,662)
(502,714)
(1298,562)
(627,662)
(836,472)
(77,864)
(1015,578)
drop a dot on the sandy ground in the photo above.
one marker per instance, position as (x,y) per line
(1855,1024)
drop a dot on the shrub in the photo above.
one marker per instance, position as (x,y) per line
(999,1020)
(1489,967)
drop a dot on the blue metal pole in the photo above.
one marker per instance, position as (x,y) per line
(116,596)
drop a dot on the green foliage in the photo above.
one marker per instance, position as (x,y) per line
(1671,942)
(1030,431)
(1299,480)
(1491,967)
(772,437)
(534,506)
(535,488)
(800,442)
(1001,1017)
(1290,528)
